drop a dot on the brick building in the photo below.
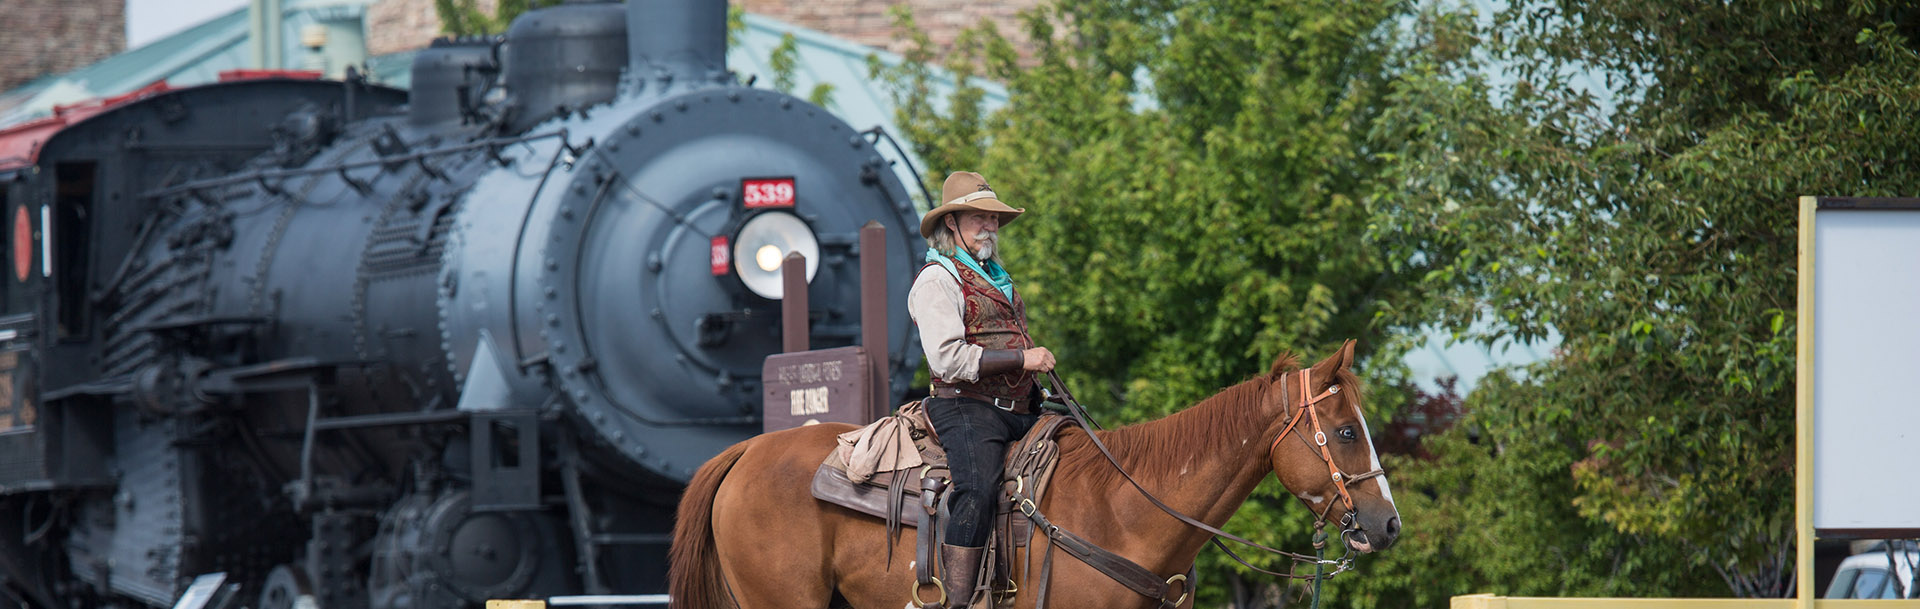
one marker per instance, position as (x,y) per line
(39,37)
(401,25)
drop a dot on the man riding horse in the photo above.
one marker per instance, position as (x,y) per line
(973,327)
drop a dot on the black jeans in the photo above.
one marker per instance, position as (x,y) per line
(975,435)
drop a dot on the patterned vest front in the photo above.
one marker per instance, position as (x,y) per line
(992,322)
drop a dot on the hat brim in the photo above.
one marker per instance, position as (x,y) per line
(1007,213)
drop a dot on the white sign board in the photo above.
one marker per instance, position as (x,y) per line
(1865,367)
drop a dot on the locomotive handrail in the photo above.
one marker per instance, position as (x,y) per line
(263,175)
(879,132)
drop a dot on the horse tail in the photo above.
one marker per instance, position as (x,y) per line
(693,573)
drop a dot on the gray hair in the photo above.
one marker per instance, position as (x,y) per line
(947,243)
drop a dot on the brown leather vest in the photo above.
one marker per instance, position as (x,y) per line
(993,322)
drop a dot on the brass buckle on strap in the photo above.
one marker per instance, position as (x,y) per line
(915,587)
(1184,590)
(1006,596)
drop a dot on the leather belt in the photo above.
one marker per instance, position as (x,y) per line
(1007,404)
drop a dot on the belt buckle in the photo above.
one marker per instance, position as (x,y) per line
(1008,407)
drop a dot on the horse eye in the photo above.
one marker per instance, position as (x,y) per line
(1346,434)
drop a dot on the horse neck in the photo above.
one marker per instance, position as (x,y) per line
(1203,461)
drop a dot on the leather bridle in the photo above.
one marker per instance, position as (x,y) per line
(1340,478)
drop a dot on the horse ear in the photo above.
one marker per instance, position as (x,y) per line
(1324,371)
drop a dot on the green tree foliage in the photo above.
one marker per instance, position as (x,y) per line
(1656,234)
(464,17)
(785,61)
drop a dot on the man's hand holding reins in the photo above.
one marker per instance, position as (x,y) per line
(1038,359)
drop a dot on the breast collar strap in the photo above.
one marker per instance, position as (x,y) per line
(1319,439)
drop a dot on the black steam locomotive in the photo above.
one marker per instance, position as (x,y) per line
(350,349)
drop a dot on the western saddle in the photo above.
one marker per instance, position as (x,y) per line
(887,495)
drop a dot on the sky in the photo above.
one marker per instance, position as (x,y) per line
(150,20)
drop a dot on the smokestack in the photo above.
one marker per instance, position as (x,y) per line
(669,41)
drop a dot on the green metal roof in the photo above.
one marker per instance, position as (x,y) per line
(194,56)
(824,59)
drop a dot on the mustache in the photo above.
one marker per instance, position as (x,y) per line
(987,243)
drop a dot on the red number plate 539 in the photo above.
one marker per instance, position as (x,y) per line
(767,192)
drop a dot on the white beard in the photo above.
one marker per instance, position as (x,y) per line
(985,245)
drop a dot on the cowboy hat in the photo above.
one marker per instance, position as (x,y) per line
(967,190)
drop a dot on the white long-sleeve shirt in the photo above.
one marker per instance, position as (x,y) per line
(939,309)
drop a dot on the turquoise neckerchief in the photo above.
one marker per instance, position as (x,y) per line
(994,274)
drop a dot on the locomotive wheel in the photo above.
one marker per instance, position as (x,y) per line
(287,588)
(480,555)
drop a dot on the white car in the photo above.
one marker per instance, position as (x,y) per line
(1865,575)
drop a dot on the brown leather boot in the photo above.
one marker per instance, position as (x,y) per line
(959,566)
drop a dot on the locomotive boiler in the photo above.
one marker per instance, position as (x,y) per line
(344,347)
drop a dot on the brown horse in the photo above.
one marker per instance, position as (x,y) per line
(750,534)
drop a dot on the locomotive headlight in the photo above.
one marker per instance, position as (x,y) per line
(768,257)
(764,242)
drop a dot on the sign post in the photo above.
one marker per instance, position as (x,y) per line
(844,385)
(1803,416)
(1855,407)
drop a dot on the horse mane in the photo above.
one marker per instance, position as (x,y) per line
(1147,448)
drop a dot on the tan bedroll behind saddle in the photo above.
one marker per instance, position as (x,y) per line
(909,496)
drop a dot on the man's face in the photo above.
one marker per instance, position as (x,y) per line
(979,232)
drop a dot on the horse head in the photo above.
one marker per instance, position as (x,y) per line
(1322,452)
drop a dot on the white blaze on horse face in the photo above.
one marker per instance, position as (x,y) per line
(1375,455)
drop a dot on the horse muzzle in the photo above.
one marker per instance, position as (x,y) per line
(1362,538)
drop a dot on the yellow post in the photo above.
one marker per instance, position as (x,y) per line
(1803,414)
(1478,601)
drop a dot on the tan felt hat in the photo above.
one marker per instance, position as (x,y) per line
(967,190)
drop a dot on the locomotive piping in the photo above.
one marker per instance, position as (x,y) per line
(880,131)
(263,175)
